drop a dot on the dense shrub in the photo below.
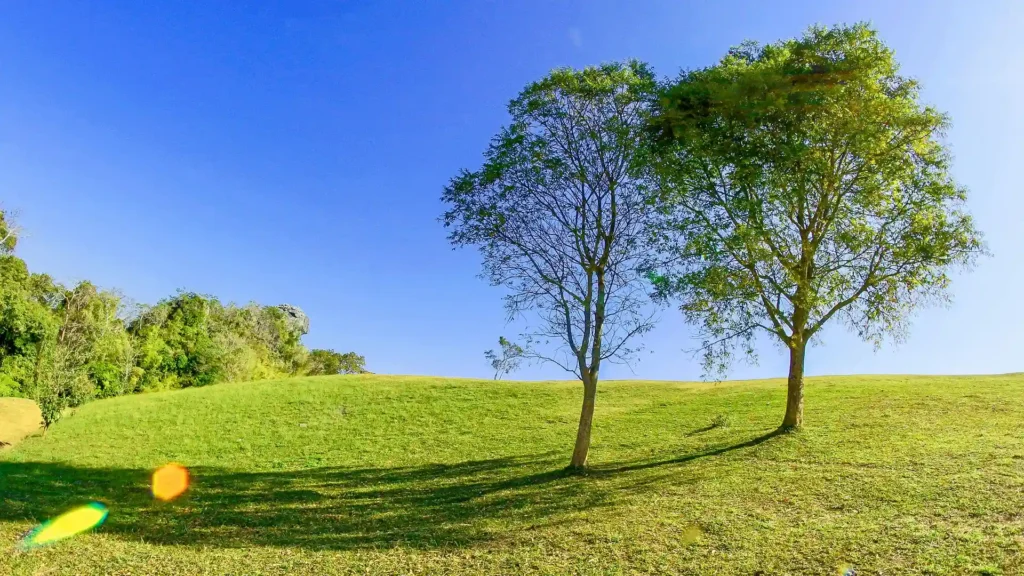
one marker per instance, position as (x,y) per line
(331,362)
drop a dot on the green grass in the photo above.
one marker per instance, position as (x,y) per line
(19,417)
(403,475)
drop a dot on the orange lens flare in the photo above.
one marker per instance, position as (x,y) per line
(169,482)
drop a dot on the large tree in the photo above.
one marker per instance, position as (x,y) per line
(804,181)
(557,211)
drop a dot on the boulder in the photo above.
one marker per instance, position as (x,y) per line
(297,319)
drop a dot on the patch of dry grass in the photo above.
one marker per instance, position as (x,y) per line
(19,418)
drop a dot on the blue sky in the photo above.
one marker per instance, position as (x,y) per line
(296,151)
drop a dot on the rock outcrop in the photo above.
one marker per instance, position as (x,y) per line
(297,319)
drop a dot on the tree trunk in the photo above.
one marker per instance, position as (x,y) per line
(795,397)
(579,454)
(38,370)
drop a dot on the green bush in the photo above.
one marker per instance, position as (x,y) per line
(331,362)
(9,386)
(63,389)
(107,379)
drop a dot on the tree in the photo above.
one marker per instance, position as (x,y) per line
(804,181)
(9,231)
(179,348)
(258,340)
(557,212)
(352,363)
(128,372)
(83,315)
(331,362)
(511,356)
(111,364)
(25,321)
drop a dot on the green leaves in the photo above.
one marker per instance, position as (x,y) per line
(331,362)
(195,340)
(62,346)
(800,181)
(557,210)
(8,233)
(508,361)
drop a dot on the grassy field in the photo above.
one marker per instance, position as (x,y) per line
(18,418)
(404,475)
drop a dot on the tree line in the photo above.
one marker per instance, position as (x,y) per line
(64,345)
(788,186)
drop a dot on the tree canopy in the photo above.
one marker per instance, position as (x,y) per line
(331,362)
(802,181)
(557,212)
(8,233)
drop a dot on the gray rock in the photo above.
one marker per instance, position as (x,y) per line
(297,319)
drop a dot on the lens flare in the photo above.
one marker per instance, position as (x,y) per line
(169,482)
(66,525)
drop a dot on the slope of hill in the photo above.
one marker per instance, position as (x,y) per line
(406,475)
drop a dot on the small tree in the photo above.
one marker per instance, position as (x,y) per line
(352,363)
(64,383)
(558,211)
(331,362)
(509,360)
(64,380)
(128,371)
(804,181)
(9,231)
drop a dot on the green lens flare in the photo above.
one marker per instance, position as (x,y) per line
(68,524)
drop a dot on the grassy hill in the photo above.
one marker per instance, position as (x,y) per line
(405,475)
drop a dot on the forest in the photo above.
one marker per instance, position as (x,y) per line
(62,345)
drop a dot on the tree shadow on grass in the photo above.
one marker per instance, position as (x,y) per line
(634,466)
(336,508)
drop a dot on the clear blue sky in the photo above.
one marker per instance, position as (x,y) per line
(295,152)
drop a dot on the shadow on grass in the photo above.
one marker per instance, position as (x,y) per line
(707,428)
(440,505)
(634,466)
